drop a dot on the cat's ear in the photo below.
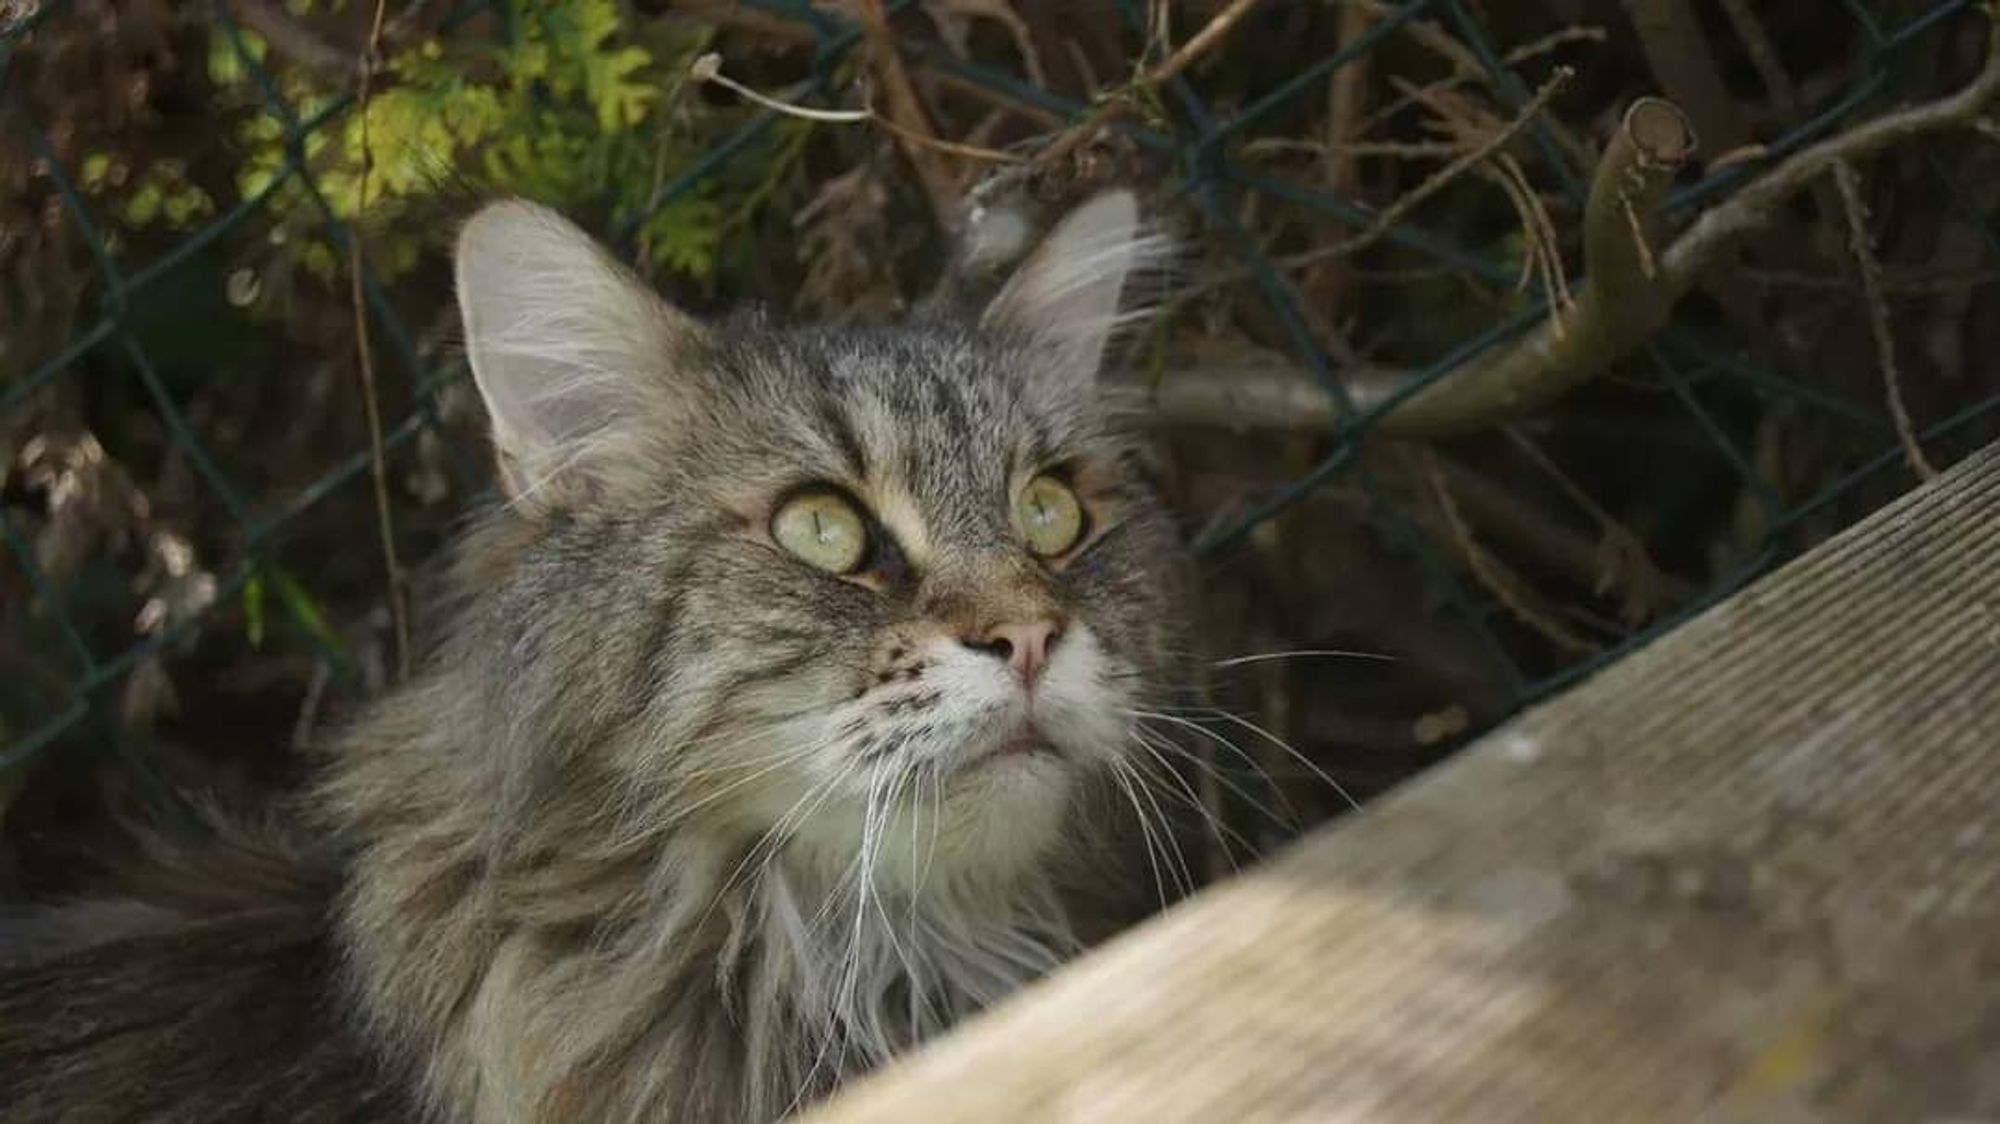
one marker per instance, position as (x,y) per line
(566,345)
(1067,295)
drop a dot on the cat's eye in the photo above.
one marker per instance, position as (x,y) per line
(823,529)
(1051,516)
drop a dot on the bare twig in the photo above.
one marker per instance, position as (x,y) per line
(1500,581)
(309,707)
(1487,148)
(906,111)
(708,68)
(1545,256)
(951,18)
(1620,551)
(1429,35)
(1388,217)
(1863,248)
(1763,57)
(1346,97)
(1465,77)
(1678,52)
(1218,27)
(948,147)
(1467,69)
(1346,104)
(378,461)
(1395,212)
(1404,150)
(1271,398)
(1119,103)
(1614,562)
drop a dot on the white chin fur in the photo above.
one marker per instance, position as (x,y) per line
(994,824)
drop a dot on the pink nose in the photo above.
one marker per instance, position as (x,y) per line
(1025,645)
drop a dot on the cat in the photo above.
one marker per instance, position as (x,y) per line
(785,717)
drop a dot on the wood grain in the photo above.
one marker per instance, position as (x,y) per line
(1749,874)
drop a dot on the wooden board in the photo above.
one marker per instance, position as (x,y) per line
(1749,874)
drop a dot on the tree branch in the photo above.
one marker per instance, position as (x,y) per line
(1753,206)
(1466,158)
(1621,303)
(908,121)
(1863,248)
(1623,299)
(1119,103)
(399,610)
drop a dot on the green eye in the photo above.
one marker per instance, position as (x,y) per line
(823,529)
(1050,514)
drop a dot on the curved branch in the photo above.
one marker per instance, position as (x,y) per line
(1754,205)
(1628,290)
(1625,295)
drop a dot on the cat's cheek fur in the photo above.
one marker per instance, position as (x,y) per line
(1077,708)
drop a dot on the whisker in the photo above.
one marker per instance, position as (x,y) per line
(1119,776)
(1301,758)
(1305,653)
(1223,832)
(937,826)
(1170,847)
(1288,819)
(682,814)
(767,844)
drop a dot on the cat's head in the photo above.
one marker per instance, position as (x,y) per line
(885,590)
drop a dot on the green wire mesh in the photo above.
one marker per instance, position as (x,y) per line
(1202,146)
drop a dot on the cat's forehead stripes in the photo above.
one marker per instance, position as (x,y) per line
(929,423)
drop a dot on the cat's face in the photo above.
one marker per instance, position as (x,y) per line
(888,594)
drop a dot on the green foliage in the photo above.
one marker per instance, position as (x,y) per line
(253,610)
(579,109)
(159,192)
(300,607)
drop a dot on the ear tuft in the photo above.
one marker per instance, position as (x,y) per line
(564,342)
(1067,295)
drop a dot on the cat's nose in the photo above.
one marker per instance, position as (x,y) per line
(1025,645)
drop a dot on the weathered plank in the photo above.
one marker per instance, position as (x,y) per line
(1751,873)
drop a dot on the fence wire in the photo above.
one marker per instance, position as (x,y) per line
(85,663)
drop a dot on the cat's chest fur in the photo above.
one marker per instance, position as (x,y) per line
(739,992)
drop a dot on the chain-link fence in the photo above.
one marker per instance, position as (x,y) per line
(129,336)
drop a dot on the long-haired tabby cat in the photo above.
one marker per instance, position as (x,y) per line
(776,727)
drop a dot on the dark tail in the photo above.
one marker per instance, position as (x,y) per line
(206,992)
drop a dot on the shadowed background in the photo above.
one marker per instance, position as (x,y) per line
(1456,370)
